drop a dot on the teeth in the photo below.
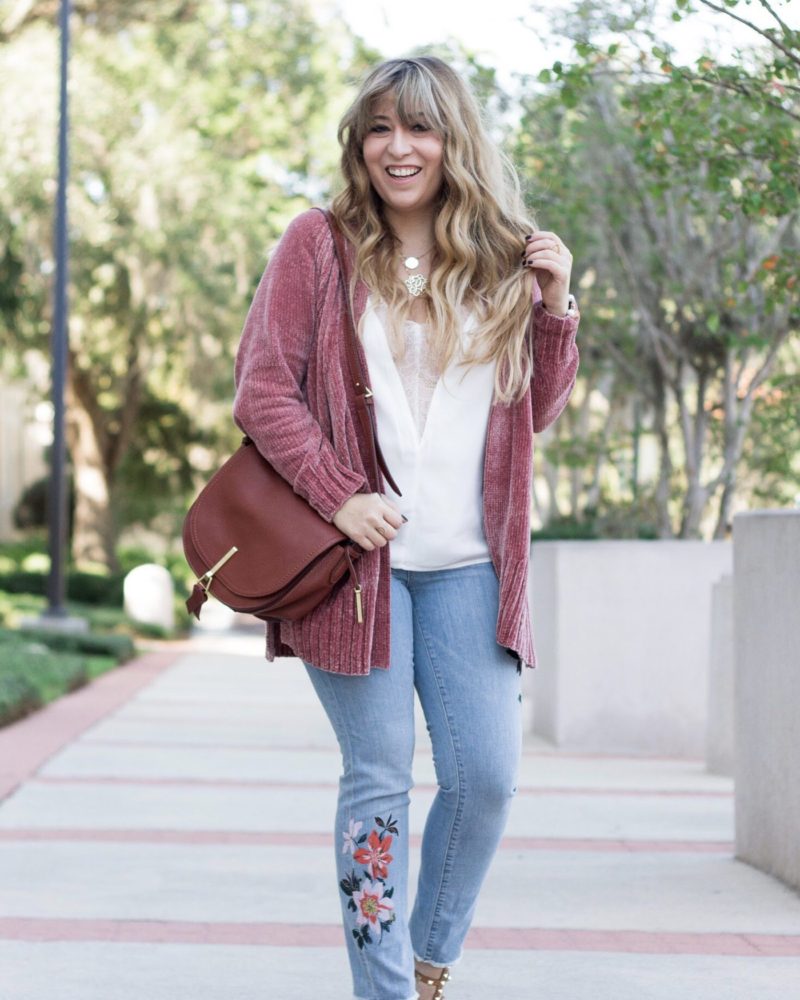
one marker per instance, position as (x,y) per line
(403,171)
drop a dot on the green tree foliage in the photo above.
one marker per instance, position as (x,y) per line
(682,193)
(197,131)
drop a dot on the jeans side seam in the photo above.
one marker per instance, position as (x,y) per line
(459,811)
(349,810)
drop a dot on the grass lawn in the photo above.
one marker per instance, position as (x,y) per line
(33,673)
(38,666)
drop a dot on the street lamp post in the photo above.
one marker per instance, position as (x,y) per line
(56,614)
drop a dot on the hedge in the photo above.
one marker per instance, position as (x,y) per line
(87,588)
(38,666)
(31,675)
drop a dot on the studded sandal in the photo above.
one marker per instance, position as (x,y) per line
(438,993)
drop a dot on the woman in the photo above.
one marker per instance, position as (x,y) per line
(468,330)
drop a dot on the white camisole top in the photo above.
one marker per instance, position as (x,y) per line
(432,431)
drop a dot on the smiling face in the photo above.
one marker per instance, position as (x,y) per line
(404,161)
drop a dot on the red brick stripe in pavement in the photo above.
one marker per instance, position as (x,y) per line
(25,745)
(328,935)
(308,839)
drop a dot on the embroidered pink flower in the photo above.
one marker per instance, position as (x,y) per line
(372,906)
(350,837)
(375,856)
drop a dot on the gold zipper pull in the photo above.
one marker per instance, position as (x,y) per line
(359,610)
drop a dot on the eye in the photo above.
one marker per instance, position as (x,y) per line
(379,128)
(421,127)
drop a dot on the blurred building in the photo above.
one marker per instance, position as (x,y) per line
(25,433)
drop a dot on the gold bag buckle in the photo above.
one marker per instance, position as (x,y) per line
(208,576)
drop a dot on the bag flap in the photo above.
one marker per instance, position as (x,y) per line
(277,533)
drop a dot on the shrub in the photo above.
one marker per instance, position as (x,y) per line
(612,519)
(32,674)
(86,588)
(18,694)
(566,528)
(94,588)
(18,549)
(120,647)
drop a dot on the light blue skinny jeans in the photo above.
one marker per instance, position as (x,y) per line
(443,644)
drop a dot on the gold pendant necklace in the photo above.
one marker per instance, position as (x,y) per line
(415,283)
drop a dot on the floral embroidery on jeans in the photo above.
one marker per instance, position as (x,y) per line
(375,856)
(350,837)
(370,899)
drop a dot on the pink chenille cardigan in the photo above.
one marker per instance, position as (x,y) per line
(294,399)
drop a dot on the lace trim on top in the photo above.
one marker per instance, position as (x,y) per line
(417,368)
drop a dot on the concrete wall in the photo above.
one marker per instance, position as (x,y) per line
(622,632)
(766,602)
(719,731)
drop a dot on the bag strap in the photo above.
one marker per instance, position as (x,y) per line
(364,397)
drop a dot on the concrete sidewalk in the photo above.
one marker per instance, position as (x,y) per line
(165,836)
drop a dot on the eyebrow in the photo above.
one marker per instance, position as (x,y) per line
(385,118)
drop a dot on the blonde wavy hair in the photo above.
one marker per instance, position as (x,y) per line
(480,226)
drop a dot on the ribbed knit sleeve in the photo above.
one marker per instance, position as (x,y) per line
(270,371)
(555,364)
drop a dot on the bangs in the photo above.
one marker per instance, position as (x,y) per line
(413,91)
(415,99)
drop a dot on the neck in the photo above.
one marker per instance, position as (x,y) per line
(413,230)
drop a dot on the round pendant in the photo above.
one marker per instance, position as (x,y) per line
(411,263)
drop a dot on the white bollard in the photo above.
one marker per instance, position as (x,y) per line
(148,594)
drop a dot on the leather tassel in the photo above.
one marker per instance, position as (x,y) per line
(356,587)
(196,600)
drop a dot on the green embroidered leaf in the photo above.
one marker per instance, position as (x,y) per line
(350,883)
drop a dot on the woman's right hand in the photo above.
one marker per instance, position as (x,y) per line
(369,519)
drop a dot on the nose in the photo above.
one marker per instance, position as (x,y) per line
(400,142)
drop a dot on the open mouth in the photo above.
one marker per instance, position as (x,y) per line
(403,171)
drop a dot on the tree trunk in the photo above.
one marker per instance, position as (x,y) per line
(724,515)
(94,533)
(662,491)
(98,441)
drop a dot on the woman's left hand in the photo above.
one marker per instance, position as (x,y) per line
(552,265)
